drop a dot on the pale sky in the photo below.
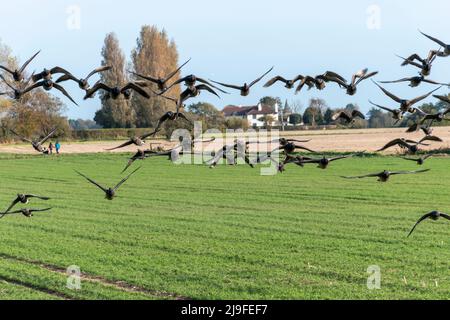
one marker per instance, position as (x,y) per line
(235,41)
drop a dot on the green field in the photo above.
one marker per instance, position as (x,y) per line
(228,233)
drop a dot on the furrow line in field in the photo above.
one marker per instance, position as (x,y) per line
(120,285)
(35,287)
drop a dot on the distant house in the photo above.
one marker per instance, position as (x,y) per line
(253,114)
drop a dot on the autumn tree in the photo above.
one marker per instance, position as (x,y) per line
(114,113)
(36,112)
(157,56)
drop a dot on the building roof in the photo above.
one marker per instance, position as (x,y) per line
(230,110)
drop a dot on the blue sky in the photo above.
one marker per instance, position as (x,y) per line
(235,41)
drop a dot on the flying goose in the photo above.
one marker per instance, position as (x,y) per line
(139,155)
(290,147)
(48,84)
(138,141)
(116,92)
(298,160)
(26,212)
(109,192)
(161,82)
(319,81)
(385,175)
(169,115)
(18,74)
(424,65)
(445,99)
(416,81)
(324,162)
(23,198)
(16,92)
(192,92)
(420,161)
(190,82)
(289,84)
(83,82)
(446,47)
(433,215)
(410,145)
(244,89)
(397,114)
(351,87)
(405,105)
(47,74)
(348,119)
(37,145)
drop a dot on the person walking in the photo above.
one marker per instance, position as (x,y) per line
(57,147)
(50,148)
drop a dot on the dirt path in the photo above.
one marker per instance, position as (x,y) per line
(321,140)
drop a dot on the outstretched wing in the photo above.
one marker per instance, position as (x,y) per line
(366,76)
(98,86)
(12,205)
(125,179)
(36,196)
(55,70)
(48,136)
(39,210)
(394,142)
(232,86)
(91,181)
(21,137)
(207,88)
(415,100)
(340,157)
(426,216)
(390,95)
(170,75)
(397,81)
(363,176)
(439,42)
(99,69)
(66,77)
(273,80)
(381,107)
(259,79)
(445,99)
(28,62)
(357,113)
(64,92)
(409,172)
(121,146)
(136,88)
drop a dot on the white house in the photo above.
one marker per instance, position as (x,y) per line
(253,114)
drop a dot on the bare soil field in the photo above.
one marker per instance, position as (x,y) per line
(348,140)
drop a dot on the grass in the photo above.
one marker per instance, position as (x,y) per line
(178,231)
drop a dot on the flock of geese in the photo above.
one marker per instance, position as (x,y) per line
(239,149)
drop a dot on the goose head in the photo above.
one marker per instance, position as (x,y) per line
(22,198)
(47,84)
(110,193)
(127,94)
(324,162)
(384,176)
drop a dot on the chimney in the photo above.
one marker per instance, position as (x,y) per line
(259,106)
(276,107)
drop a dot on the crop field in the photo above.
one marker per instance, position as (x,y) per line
(190,232)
